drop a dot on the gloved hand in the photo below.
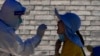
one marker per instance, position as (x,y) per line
(41,29)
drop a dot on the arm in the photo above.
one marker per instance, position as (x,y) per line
(22,48)
(40,32)
(57,47)
(30,44)
(11,43)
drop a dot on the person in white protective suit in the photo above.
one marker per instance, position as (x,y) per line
(10,43)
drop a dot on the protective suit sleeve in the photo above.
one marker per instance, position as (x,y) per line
(10,43)
(30,44)
(7,45)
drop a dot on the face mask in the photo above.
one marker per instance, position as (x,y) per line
(20,20)
(61,37)
(18,23)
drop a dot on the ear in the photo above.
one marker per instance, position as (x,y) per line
(89,48)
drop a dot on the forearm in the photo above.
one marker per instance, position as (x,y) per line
(30,44)
(36,40)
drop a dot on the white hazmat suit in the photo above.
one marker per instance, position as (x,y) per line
(11,43)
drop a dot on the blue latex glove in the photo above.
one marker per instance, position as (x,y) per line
(41,29)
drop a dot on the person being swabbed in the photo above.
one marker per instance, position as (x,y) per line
(68,31)
(10,19)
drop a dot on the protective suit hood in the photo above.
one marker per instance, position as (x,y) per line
(7,13)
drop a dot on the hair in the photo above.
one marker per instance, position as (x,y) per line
(78,33)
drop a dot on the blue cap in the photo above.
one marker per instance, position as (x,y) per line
(72,24)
